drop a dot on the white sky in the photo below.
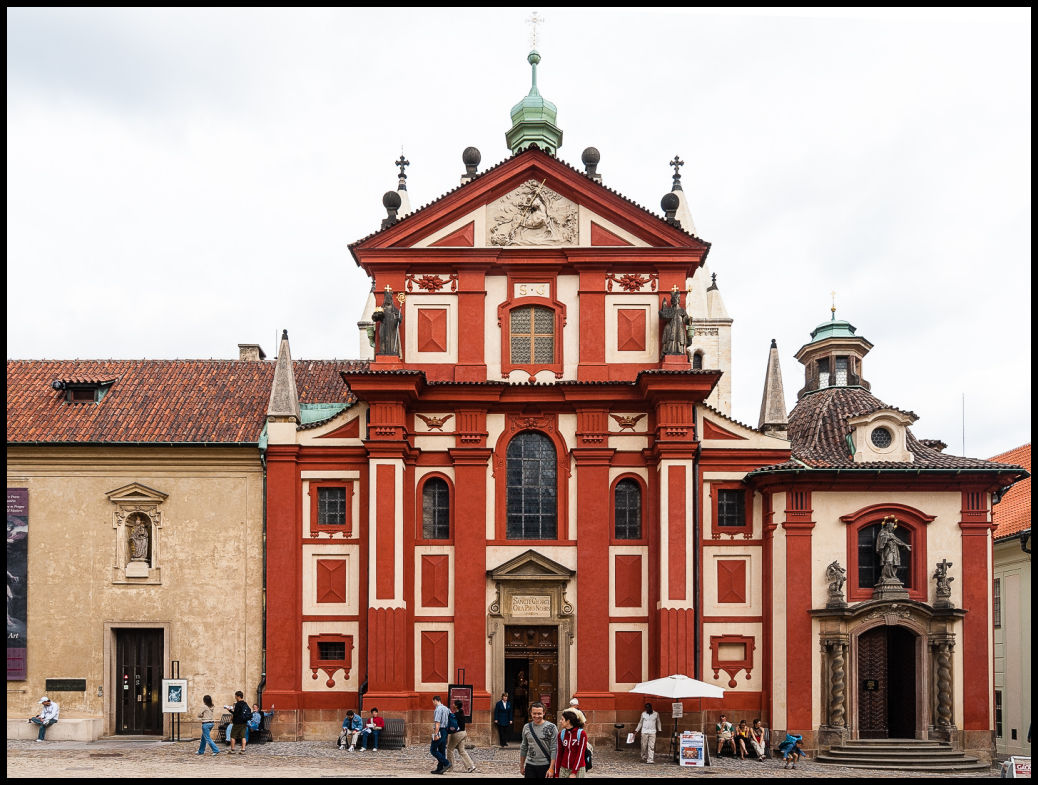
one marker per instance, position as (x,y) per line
(183,181)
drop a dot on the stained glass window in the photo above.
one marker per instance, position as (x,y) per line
(532,330)
(531,486)
(627,510)
(436,509)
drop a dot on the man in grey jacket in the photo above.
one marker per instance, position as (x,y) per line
(539,746)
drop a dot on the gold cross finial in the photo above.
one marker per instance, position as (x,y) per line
(533,21)
(833,309)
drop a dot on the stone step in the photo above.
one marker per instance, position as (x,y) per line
(969,764)
(925,753)
(895,742)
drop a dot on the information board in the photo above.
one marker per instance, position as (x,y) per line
(691,749)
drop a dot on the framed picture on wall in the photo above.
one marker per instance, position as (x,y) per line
(174,696)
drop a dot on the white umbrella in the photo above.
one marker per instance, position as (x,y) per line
(678,686)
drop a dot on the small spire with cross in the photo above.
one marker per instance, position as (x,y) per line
(402,177)
(533,21)
(677,163)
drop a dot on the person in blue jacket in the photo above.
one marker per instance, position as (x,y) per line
(504,715)
(792,749)
(352,725)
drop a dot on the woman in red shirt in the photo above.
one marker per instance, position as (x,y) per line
(570,760)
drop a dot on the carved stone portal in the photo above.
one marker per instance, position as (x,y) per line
(532,214)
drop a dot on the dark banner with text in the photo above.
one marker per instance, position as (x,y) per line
(17,577)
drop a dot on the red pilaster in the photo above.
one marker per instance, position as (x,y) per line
(976,624)
(593,500)
(284,606)
(592,331)
(471,365)
(799,643)
(470,558)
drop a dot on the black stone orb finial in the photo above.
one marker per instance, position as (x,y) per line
(391,201)
(590,158)
(774,345)
(471,158)
(670,204)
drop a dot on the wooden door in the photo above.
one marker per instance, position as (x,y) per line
(873,684)
(538,646)
(138,664)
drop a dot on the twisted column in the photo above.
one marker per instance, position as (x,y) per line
(943,650)
(837,684)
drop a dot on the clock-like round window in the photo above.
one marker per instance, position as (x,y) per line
(882,437)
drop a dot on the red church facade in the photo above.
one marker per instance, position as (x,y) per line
(529,489)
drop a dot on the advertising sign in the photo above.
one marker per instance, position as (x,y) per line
(17,581)
(174,696)
(690,751)
(463,693)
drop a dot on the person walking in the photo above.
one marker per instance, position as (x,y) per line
(441,721)
(571,759)
(48,716)
(648,726)
(241,713)
(456,739)
(504,715)
(206,715)
(539,748)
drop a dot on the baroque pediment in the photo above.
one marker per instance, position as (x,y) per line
(135,493)
(531,566)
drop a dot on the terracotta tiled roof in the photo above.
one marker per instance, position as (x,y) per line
(157,401)
(1012,515)
(818,431)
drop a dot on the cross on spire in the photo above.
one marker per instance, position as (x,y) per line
(677,163)
(533,21)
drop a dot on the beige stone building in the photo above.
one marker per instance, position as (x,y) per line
(143,516)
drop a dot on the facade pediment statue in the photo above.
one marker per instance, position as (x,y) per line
(532,214)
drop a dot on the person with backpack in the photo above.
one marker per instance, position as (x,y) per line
(539,748)
(241,713)
(571,758)
(456,736)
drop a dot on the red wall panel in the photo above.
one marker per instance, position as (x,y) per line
(435,580)
(434,655)
(385,558)
(331,580)
(627,573)
(676,532)
(628,648)
(432,329)
(731,580)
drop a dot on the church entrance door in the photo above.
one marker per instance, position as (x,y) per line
(887,683)
(138,664)
(532,670)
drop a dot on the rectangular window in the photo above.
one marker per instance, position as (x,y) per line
(731,507)
(331,506)
(996,605)
(998,713)
(532,335)
(332,650)
(841,371)
(823,373)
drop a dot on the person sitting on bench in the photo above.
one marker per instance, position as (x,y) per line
(724,734)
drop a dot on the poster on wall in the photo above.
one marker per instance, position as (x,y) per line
(17,581)
(174,696)
(463,693)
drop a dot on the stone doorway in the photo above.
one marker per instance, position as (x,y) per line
(532,670)
(887,683)
(138,676)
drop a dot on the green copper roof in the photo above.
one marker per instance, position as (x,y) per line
(533,119)
(835,328)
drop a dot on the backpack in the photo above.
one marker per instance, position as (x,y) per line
(242,713)
(587,751)
(452,723)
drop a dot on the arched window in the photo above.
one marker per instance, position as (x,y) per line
(436,509)
(697,360)
(532,335)
(627,510)
(531,487)
(869,564)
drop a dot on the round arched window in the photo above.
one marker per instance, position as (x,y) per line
(882,437)
(531,486)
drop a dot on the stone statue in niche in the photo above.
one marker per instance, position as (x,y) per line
(388,316)
(943,584)
(532,214)
(140,539)
(837,576)
(888,546)
(675,332)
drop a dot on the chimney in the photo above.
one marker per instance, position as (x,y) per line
(250,353)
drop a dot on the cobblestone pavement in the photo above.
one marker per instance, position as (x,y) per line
(121,757)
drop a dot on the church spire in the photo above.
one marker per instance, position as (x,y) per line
(773,419)
(284,400)
(533,118)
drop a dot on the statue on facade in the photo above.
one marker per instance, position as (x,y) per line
(388,316)
(675,333)
(943,584)
(139,541)
(888,546)
(837,576)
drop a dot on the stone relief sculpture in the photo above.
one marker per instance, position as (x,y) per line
(532,214)
(675,332)
(388,316)
(837,576)
(140,538)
